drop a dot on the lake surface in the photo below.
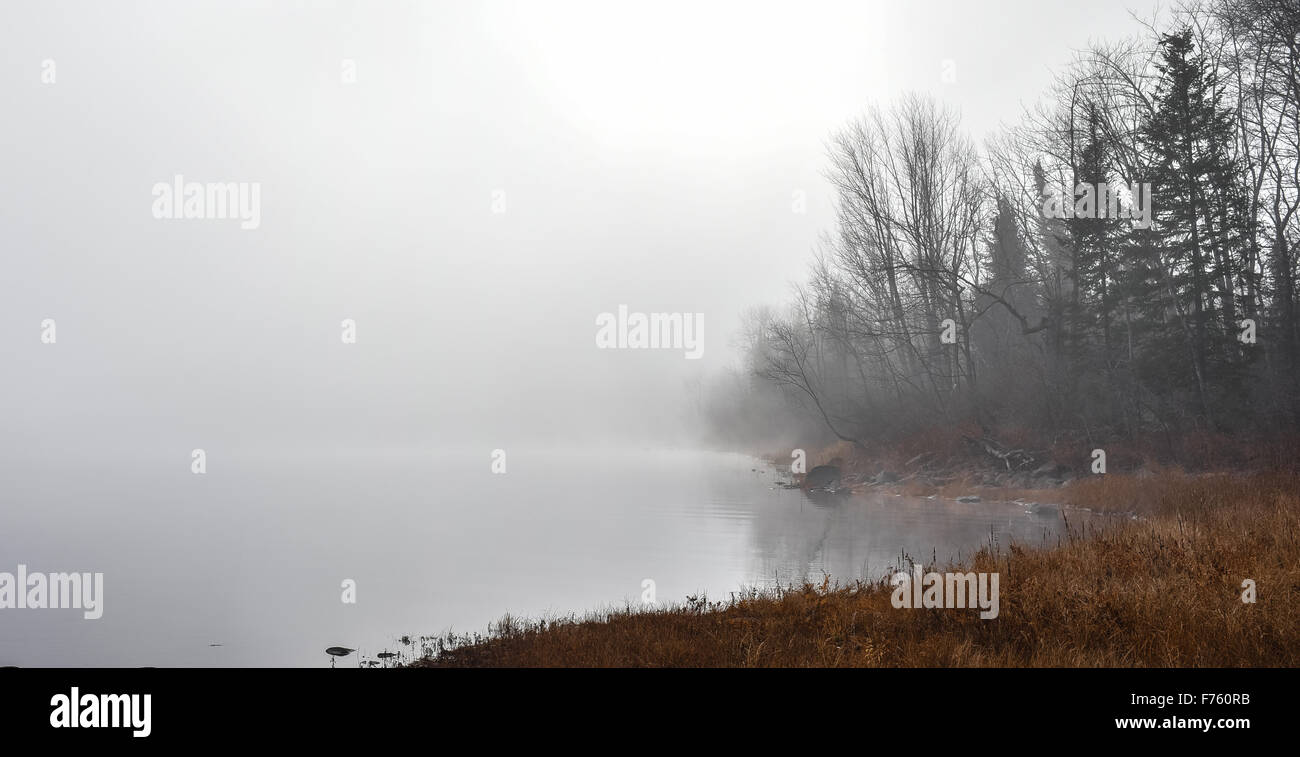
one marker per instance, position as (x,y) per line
(252,554)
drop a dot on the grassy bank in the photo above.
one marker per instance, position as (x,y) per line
(945,462)
(1162,590)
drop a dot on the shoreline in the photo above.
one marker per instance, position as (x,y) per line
(1140,591)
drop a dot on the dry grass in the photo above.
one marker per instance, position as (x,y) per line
(1160,591)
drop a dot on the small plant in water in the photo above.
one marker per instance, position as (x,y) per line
(335,652)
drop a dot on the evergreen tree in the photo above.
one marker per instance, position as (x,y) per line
(1195,205)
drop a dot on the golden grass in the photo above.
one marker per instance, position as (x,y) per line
(1163,591)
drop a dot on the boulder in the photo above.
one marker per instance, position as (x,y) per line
(822,477)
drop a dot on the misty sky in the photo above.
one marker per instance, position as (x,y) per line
(648,154)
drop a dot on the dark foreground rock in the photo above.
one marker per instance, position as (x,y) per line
(822,477)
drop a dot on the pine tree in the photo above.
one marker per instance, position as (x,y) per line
(1196,208)
(1094,235)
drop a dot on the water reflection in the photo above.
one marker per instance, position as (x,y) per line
(253,556)
(804,535)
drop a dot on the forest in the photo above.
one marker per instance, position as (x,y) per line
(1016,289)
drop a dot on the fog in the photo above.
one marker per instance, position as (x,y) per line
(494,178)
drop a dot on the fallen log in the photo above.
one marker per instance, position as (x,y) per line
(1012,458)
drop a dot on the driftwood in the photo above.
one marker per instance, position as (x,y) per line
(1012,458)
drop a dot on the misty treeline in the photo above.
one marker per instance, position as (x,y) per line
(1099,327)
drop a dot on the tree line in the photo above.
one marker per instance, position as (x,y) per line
(1006,287)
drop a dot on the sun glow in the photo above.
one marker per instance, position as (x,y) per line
(638,74)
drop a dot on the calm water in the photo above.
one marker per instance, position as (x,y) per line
(251,555)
